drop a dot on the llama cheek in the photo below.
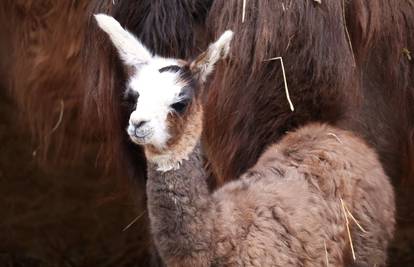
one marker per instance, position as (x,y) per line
(175,125)
(160,135)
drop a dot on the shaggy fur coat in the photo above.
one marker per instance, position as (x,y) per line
(290,209)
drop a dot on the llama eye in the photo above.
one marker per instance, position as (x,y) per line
(180,107)
(131,98)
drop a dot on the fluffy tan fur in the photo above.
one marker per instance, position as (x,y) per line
(185,132)
(282,211)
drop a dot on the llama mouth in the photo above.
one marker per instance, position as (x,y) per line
(141,137)
(139,140)
(142,134)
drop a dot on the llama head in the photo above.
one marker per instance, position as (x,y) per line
(167,91)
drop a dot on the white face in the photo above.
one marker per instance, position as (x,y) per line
(157,92)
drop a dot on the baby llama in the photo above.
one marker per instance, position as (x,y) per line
(318,197)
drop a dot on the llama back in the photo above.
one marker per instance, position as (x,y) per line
(344,169)
(292,207)
(276,220)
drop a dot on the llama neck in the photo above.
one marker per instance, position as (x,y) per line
(171,162)
(179,203)
(180,212)
(179,149)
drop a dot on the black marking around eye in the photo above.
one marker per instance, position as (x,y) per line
(181,106)
(130,99)
(172,68)
(131,94)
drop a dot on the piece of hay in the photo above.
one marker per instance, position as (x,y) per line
(62,108)
(336,137)
(348,37)
(292,108)
(244,10)
(407,53)
(326,254)
(355,220)
(133,221)
(55,127)
(347,229)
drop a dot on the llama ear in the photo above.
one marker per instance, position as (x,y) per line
(203,65)
(130,49)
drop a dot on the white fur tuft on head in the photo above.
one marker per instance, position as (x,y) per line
(204,64)
(130,49)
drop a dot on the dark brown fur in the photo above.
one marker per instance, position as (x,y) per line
(247,107)
(282,211)
(383,40)
(363,82)
(45,75)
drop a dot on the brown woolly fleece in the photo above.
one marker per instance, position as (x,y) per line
(284,211)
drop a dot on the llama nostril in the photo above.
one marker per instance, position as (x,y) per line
(140,124)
